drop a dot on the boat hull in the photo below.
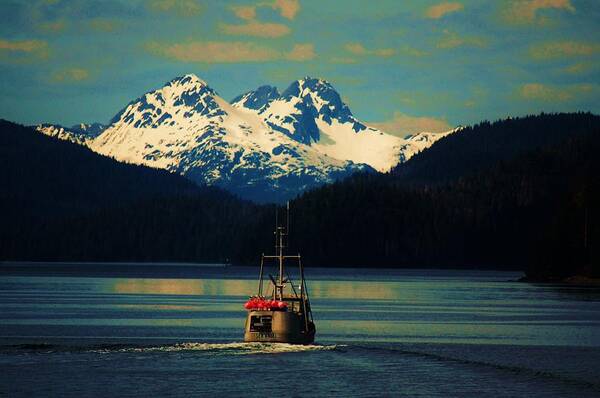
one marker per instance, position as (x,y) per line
(267,326)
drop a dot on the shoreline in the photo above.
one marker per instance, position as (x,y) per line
(574,280)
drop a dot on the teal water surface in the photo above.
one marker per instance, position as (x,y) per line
(175,330)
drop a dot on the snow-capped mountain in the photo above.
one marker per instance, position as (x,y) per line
(185,127)
(312,112)
(265,146)
(415,143)
(80,133)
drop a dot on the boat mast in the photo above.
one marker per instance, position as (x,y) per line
(282,231)
(280,280)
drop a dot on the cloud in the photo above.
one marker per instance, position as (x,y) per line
(53,27)
(578,68)
(563,49)
(213,52)
(402,124)
(23,50)
(179,7)
(359,49)
(524,11)
(439,10)
(70,75)
(343,60)
(409,51)
(452,40)
(27,46)
(356,48)
(302,52)
(549,93)
(257,29)
(287,8)
(254,27)
(246,13)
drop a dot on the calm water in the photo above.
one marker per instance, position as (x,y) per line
(124,330)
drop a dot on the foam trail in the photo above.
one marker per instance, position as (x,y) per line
(234,348)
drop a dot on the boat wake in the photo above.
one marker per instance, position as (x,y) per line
(514,368)
(234,348)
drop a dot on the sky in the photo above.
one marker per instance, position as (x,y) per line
(399,65)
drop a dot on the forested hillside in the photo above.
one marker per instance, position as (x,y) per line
(515,194)
(44,176)
(61,201)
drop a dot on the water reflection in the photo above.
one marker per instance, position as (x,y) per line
(244,288)
(184,287)
(357,290)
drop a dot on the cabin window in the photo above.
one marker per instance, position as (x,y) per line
(261,323)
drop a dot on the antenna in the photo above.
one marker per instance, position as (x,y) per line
(276,226)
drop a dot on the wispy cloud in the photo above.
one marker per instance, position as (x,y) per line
(550,93)
(526,11)
(411,51)
(179,7)
(356,48)
(53,26)
(23,50)
(452,40)
(246,13)
(27,46)
(255,28)
(287,8)
(578,68)
(343,60)
(301,52)
(439,10)
(562,49)
(402,124)
(70,75)
(213,52)
(359,49)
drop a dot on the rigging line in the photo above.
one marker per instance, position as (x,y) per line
(291,282)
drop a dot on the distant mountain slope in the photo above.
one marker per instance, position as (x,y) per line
(41,176)
(80,133)
(185,127)
(266,146)
(482,146)
(312,112)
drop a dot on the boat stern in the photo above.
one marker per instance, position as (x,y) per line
(267,326)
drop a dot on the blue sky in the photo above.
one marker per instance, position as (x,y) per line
(422,64)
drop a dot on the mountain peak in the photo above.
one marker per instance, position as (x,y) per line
(174,103)
(189,79)
(306,85)
(310,81)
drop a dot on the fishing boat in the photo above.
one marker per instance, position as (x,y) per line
(280,312)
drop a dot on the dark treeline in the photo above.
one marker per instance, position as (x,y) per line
(510,194)
(42,176)
(514,194)
(527,213)
(484,145)
(60,201)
